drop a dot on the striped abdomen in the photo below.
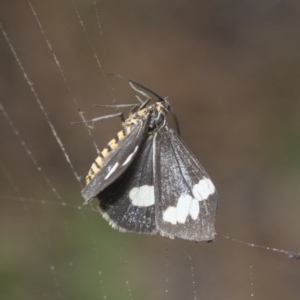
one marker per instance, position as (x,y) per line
(99,161)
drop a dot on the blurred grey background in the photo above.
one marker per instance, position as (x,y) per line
(231,70)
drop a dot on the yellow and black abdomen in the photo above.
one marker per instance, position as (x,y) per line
(100,160)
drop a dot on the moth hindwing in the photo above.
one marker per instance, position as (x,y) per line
(147,181)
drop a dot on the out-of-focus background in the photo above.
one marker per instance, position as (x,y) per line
(231,70)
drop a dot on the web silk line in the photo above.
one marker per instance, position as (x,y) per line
(29,152)
(39,103)
(95,54)
(98,19)
(58,64)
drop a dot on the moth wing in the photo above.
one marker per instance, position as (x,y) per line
(186,198)
(118,160)
(128,203)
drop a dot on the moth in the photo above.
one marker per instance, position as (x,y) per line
(147,181)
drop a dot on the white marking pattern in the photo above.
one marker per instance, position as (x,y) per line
(112,170)
(188,205)
(142,196)
(128,159)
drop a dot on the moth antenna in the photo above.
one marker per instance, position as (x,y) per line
(131,82)
(140,85)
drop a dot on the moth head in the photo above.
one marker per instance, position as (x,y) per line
(164,102)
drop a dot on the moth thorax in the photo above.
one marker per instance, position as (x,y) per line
(158,118)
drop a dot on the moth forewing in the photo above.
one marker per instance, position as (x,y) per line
(117,160)
(186,198)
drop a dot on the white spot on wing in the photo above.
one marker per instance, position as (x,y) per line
(194,209)
(203,189)
(169,215)
(142,196)
(128,159)
(187,205)
(183,208)
(112,170)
